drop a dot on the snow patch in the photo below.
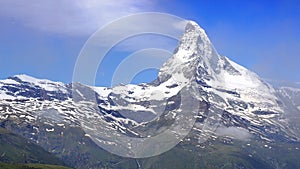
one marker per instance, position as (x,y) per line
(4,96)
(9,81)
(60,124)
(102,91)
(50,130)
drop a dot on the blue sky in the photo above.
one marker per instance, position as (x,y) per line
(43,38)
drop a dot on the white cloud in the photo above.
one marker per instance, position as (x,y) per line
(83,18)
(74,17)
(236,132)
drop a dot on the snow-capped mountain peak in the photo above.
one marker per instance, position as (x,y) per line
(194,48)
(24,86)
(196,58)
(43,83)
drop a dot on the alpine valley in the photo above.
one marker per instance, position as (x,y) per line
(240,121)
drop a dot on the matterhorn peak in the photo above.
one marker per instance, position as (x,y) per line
(196,59)
(192,26)
(194,49)
(194,38)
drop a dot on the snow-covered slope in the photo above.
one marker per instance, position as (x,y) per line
(24,86)
(227,95)
(292,95)
(290,99)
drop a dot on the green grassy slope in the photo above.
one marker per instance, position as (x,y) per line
(30,166)
(16,149)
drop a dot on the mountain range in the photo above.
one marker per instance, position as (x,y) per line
(220,107)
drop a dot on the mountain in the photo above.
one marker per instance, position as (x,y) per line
(199,99)
(15,149)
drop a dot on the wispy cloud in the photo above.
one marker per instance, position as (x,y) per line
(70,17)
(236,132)
(282,83)
(83,18)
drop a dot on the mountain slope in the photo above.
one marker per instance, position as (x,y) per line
(15,149)
(31,166)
